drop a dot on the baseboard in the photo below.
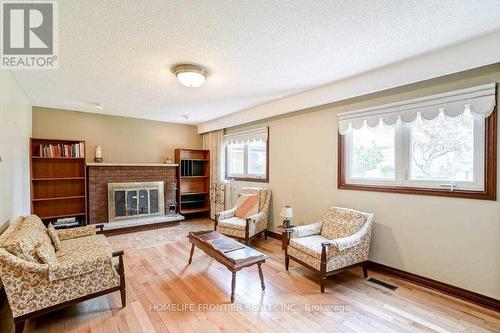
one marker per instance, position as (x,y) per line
(466,295)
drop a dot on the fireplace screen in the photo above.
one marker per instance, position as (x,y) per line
(129,200)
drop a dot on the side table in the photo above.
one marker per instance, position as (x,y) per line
(283,235)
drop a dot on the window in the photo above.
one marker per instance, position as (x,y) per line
(372,155)
(422,152)
(448,150)
(246,155)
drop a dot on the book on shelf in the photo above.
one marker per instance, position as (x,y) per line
(64,150)
(65,220)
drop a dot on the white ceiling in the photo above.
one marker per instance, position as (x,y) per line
(119,53)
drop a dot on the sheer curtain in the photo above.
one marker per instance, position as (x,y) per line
(214,141)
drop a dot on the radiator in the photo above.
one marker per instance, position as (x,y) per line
(232,189)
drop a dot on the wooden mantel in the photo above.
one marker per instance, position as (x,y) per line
(132,164)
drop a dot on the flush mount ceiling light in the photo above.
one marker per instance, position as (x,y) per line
(190,75)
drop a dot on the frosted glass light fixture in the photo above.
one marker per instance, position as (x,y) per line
(191,76)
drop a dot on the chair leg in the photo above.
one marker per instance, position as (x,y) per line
(365,270)
(287,263)
(20,326)
(323,283)
(123,294)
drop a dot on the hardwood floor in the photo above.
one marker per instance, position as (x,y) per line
(166,295)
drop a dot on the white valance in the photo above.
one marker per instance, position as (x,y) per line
(259,134)
(479,100)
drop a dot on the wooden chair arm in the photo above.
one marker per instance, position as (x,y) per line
(121,267)
(324,248)
(99,228)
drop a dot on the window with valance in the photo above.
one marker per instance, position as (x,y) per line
(442,144)
(247,155)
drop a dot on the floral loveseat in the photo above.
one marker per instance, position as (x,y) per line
(43,269)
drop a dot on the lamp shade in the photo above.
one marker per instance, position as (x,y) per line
(287,212)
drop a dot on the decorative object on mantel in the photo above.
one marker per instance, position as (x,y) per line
(287,215)
(98,155)
(169,160)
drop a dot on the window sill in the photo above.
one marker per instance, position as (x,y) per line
(480,195)
(254,180)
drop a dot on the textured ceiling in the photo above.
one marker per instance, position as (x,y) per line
(119,53)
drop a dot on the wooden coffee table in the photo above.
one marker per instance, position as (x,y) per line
(228,252)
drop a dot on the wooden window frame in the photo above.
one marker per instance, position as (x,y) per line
(490,171)
(249,179)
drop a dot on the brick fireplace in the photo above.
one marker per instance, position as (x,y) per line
(99,175)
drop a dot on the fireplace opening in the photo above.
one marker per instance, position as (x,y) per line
(135,200)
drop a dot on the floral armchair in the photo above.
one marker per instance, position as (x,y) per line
(339,241)
(43,269)
(245,229)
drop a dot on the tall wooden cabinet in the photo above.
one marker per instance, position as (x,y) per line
(58,179)
(193,178)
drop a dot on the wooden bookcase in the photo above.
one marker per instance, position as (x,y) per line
(193,179)
(58,184)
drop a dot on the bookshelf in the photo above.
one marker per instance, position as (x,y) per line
(58,179)
(193,179)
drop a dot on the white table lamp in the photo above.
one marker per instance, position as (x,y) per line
(287,214)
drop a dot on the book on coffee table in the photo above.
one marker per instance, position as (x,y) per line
(221,243)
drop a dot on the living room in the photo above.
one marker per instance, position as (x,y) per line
(206,166)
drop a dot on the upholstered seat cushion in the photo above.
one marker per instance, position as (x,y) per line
(341,259)
(84,245)
(81,256)
(339,223)
(233,223)
(310,245)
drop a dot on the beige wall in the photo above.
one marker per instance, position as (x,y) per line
(122,139)
(456,241)
(15,130)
